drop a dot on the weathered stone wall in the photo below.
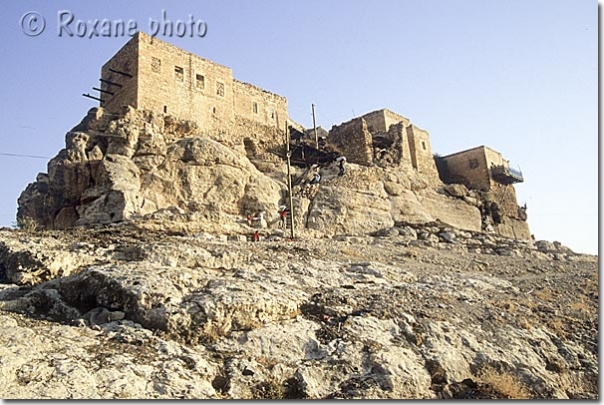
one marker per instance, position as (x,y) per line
(125,60)
(379,122)
(266,138)
(421,152)
(183,85)
(470,168)
(256,104)
(354,140)
(398,134)
(169,80)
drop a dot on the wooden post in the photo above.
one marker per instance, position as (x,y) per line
(315,126)
(289,181)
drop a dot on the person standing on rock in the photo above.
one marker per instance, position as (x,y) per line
(282,216)
(261,221)
(341,161)
(316,178)
(249,219)
(256,237)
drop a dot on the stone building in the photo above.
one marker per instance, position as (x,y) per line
(153,75)
(385,138)
(485,169)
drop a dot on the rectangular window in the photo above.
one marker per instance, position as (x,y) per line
(156,65)
(220,89)
(424,145)
(200,81)
(255,107)
(473,163)
(179,73)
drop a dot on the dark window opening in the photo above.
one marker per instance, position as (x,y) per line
(165,109)
(179,73)
(200,81)
(424,145)
(473,163)
(255,107)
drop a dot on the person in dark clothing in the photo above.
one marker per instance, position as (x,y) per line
(341,161)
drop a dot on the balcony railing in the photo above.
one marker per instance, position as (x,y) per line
(506,175)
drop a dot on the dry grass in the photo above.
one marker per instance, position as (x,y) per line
(505,384)
(545,294)
(525,324)
(557,326)
(581,306)
(27,224)
(350,252)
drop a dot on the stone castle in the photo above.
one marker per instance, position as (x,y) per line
(162,94)
(153,75)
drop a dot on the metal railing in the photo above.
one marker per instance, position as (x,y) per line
(507,174)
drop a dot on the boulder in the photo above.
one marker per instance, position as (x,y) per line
(452,212)
(456,190)
(347,211)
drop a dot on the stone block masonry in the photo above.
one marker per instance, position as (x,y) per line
(164,79)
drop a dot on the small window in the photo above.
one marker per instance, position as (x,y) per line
(165,109)
(473,163)
(156,65)
(220,89)
(213,110)
(272,113)
(179,73)
(200,81)
(255,107)
(424,145)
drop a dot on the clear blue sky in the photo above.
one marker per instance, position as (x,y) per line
(520,76)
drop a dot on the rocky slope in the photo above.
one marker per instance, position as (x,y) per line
(411,311)
(141,165)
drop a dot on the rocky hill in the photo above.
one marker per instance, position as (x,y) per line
(411,312)
(133,275)
(143,166)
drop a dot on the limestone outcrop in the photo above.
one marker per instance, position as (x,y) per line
(115,169)
(158,170)
(414,311)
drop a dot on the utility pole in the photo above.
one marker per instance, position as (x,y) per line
(289,180)
(314,124)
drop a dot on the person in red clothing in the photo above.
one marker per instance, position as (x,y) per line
(256,237)
(283,216)
(249,219)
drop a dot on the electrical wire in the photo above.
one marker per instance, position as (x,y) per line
(23,156)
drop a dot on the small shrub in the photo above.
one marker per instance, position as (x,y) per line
(505,384)
(26,224)
(269,389)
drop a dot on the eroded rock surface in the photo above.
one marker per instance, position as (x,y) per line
(415,311)
(143,166)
